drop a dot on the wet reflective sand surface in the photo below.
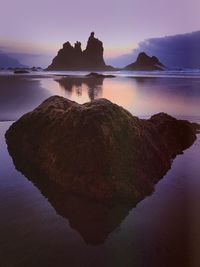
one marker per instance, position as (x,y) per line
(46,228)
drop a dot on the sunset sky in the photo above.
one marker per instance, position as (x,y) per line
(40,27)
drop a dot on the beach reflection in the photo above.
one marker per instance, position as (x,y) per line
(19,95)
(56,230)
(84,88)
(141,96)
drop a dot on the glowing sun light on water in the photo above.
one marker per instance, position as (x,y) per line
(141,98)
(120,93)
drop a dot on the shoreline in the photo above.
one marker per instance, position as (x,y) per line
(142,96)
(118,73)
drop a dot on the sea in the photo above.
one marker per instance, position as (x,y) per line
(161,230)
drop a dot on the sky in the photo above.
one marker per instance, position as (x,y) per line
(35,30)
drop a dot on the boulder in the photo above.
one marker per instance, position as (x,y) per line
(145,63)
(97,150)
(21,71)
(99,75)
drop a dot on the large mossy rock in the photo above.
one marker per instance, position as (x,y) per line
(98,149)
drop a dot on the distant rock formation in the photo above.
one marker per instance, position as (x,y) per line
(73,58)
(145,63)
(97,150)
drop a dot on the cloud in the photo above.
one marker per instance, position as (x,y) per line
(182,51)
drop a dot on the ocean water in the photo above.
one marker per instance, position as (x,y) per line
(143,93)
(38,229)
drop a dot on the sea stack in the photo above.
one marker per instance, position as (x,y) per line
(97,150)
(74,58)
(145,63)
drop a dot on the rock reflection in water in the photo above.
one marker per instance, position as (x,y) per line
(94,221)
(93,86)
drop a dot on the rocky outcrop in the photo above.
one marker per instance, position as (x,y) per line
(145,63)
(99,75)
(97,150)
(73,58)
(21,71)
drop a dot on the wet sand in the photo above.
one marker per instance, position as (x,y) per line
(162,230)
(142,96)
